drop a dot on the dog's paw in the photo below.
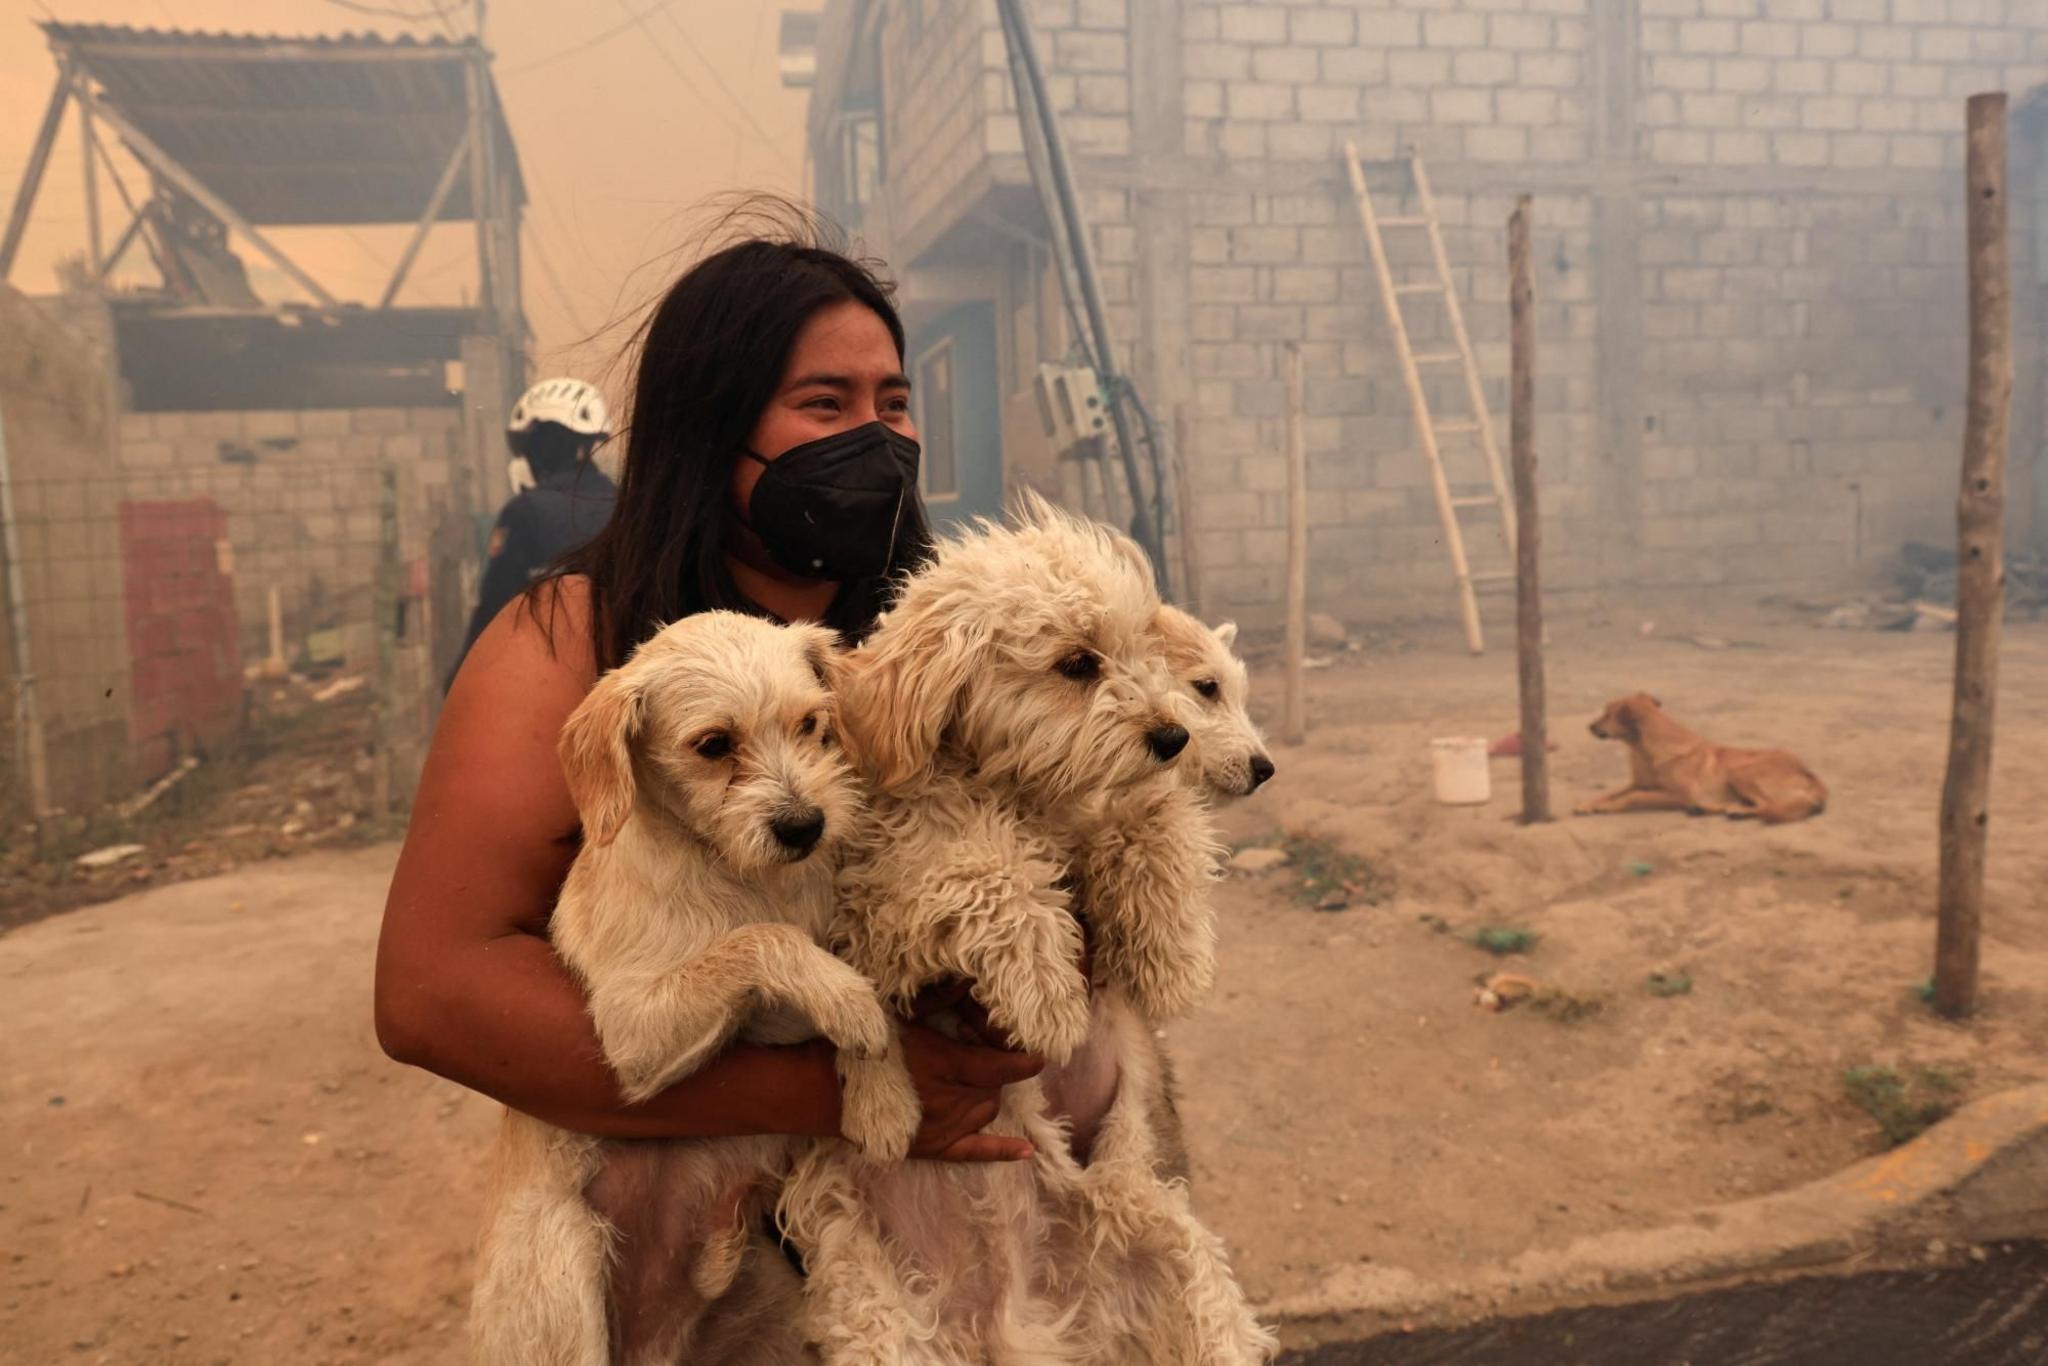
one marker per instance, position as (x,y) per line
(880,1111)
(1053,1020)
(863,1030)
(1587,809)
(845,1008)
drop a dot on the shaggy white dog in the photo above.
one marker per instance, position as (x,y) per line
(714,801)
(1234,762)
(1228,760)
(1019,725)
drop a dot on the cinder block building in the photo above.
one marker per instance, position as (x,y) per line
(1749,235)
(196,466)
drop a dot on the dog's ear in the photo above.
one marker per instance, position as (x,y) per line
(1132,554)
(597,755)
(898,691)
(820,646)
(1226,634)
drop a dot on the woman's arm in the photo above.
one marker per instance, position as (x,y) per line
(468,988)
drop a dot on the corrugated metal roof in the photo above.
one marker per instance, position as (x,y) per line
(350,128)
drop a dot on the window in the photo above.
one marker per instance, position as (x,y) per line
(861,147)
(940,468)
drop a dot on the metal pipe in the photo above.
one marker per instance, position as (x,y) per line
(28,720)
(1144,519)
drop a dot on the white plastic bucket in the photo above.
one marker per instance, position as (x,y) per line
(1462,775)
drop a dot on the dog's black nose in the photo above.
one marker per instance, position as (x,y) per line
(799,831)
(1168,741)
(1262,770)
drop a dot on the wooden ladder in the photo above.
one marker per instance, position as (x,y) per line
(1428,430)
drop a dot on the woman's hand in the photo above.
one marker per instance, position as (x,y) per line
(960,1080)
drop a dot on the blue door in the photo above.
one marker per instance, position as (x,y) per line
(954,390)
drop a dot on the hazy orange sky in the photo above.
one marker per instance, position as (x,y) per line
(619,142)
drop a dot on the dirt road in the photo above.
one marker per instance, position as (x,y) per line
(207,1159)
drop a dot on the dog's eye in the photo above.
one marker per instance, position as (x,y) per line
(1081,666)
(809,726)
(1206,688)
(716,745)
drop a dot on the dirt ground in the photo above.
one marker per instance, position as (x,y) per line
(208,1160)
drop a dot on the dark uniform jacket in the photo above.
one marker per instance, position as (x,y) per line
(538,526)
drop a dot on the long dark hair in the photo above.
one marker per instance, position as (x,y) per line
(711,355)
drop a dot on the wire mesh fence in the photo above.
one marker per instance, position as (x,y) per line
(188,634)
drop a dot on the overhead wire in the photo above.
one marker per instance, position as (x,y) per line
(767,140)
(433,13)
(588,43)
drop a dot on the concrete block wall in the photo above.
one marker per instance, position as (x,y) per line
(1789,287)
(1748,237)
(57,405)
(302,496)
(949,108)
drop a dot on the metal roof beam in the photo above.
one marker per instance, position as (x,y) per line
(32,177)
(90,50)
(426,223)
(166,166)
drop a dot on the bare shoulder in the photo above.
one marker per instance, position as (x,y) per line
(533,657)
(493,773)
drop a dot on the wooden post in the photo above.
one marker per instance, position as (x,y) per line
(1294,717)
(87,144)
(1528,538)
(1980,567)
(1184,513)
(274,664)
(384,600)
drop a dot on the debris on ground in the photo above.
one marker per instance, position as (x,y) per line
(1502,990)
(109,856)
(1326,631)
(341,687)
(1257,859)
(1328,872)
(135,806)
(1639,868)
(1925,593)
(1498,991)
(298,775)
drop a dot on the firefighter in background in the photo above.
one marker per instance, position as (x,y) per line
(560,498)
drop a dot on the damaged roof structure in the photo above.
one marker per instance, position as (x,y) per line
(241,133)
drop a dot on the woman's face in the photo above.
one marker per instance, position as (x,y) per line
(843,372)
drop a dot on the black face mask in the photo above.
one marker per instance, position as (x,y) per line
(832,508)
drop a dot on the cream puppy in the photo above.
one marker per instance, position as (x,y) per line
(715,801)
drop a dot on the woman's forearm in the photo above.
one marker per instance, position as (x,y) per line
(506,1019)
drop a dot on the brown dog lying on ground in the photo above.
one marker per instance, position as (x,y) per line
(1673,769)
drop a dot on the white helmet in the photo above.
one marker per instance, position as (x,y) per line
(569,402)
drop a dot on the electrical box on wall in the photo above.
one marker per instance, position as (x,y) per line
(1070,405)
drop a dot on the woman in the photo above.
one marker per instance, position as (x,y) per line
(764,352)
